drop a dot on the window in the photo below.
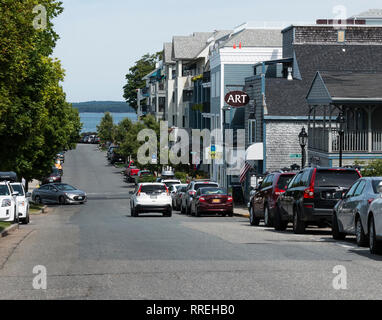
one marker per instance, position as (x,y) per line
(305,180)
(283,181)
(217,93)
(336,178)
(213,85)
(375,185)
(251,131)
(360,188)
(341,35)
(297,180)
(352,189)
(4,191)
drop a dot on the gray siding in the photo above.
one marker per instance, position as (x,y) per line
(318,93)
(255,94)
(215,101)
(281,142)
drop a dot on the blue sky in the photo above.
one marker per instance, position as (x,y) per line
(101,39)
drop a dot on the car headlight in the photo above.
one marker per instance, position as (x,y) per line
(6,203)
(69,195)
(22,203)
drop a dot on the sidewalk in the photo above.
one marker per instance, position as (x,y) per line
(241,211)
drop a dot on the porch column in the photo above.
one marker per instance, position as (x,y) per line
(370,134)
(330,147)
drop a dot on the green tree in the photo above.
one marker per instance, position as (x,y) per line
(35,120)
(142,67)
(105,128)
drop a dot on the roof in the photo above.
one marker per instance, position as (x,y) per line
(342,87)
(188,47)
(288,98)
(371,14)
(167,53)
(254,38)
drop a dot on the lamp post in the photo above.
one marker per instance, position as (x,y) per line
(303,139)
(340,122)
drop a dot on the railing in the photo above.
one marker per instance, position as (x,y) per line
(327,140)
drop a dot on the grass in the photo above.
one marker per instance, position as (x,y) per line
(35,208)
(4,225)
(120,165)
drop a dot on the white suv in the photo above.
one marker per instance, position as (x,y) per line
(22,201)
(8,203)
(151,197)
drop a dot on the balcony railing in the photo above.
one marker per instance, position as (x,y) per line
(353,141)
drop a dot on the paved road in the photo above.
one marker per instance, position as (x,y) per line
(97,251)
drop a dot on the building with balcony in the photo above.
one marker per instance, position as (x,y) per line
(278,89)
(357,96)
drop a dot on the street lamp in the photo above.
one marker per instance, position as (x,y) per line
(303,140)
(340,122)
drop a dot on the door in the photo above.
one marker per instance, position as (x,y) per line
(344,209)
(292,194)
(352,205)
(260,194)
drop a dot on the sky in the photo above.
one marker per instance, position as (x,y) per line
(101,39)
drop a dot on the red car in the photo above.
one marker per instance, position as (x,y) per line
(131,171)
(212,200)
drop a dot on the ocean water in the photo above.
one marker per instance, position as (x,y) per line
(91,120)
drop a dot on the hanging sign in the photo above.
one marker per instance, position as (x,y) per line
(237,98)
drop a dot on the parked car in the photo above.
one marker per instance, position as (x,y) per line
(97,140)
(166,175)
(150,197)
(212,200)
(110,151)
(351,212)
(142,175)
(8,203)
(193,186)
(131,171)
(374,223)
(22,201)
(175,192)
(311,197)
(263,201)
(61,156)
(61,193)
(54,176)
(115,156)
(171,182)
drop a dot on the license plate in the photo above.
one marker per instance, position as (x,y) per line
(216,201)
(153,197)
(50,180)
(80,198)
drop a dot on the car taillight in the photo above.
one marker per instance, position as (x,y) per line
(309,193)
(192,192)
(168,193)
(202,199)
(139,191)
(229,199)
(278,191)
(370,200)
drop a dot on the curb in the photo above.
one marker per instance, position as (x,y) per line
(243,215)
(11,228)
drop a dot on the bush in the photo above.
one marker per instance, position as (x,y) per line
(182,176)
(372,169)
(146,179)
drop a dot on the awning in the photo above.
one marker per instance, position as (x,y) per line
(255,152)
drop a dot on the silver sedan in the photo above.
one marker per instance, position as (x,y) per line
(350,216)
(375,223)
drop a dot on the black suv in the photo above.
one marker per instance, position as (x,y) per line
(311,197)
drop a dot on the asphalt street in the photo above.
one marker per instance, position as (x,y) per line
(98,251)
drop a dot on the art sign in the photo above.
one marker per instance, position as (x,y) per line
(237,98)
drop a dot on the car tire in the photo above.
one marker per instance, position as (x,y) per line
(375,245)
(230,214)
(197,212)
(362,240)
(278,223)
(337,235)
(267,217)
(61,200)
(298,225)
(132,212)
(169,213)
(37,200)
(25,220)
(253,221)
(182,211)
(188,211)
(16,218)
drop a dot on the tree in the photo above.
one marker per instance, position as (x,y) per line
(35,120)
(105,128)
(141,68)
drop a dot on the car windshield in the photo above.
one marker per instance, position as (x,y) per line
(4,191)
(171,183)
(205,185)
(153,188)
(18,188)
(65,187)
(284,180)
(336,178)
(212,191)
(375,184)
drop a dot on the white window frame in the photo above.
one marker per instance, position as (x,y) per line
(251,126)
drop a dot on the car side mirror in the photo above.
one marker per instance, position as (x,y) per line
(28,194)
(15,193)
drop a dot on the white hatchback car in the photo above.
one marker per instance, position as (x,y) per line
(151,197)
(22,201)
(8,203)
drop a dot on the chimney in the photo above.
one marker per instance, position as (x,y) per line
(290,77)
